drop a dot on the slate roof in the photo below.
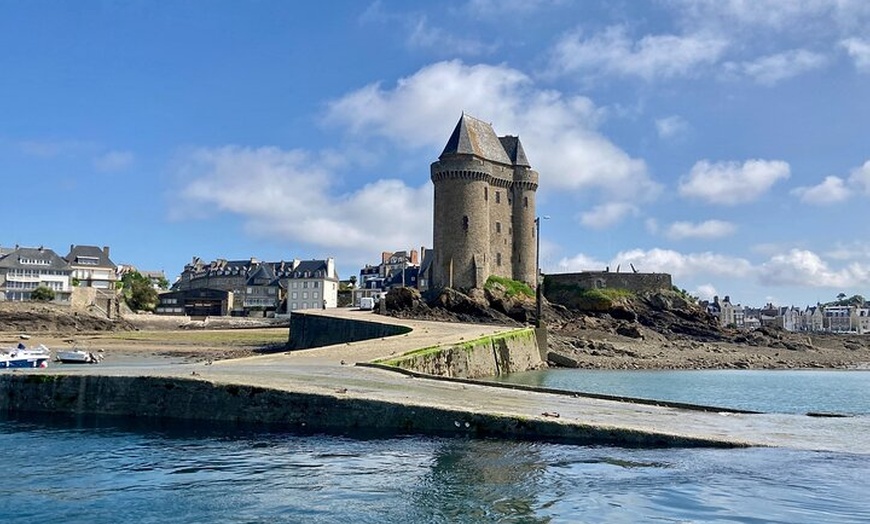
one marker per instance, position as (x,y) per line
(514,150)
(77,253)
(476,137)
(13,259)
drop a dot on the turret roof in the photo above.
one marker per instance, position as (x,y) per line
(476,137)
(514,149)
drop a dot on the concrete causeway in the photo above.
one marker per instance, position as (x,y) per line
(327,379)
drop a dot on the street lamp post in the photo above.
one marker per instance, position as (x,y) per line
(538,297)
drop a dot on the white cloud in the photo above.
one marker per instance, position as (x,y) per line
(860,178)
(708,229)
(558,133)
(800,16)
(425,36)
(771,69)
(114,161)
(612,52)
(859,50)
(800,267)
(855,250)
(706,292)
(671,127)
(731,183)
(285,193)
(579,262)
(606,215)
(830,191)
(681,265)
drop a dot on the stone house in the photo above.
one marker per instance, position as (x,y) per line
(92,267)
(23,269)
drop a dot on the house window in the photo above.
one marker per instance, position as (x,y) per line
(314,295)
(295,295)
(294,306)
(314,285)
(305,285)
(304,295)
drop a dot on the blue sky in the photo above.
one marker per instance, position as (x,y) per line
(724,142)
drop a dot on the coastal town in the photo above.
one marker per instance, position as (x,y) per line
(87,278)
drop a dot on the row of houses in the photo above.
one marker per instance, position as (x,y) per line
(24,269)
(819,318)
(251,287)
(408,268)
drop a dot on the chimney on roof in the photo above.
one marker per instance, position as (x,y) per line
(414,260)
(385,256)
(106,251)
(71,247)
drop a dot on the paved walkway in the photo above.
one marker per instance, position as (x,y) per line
(331,371)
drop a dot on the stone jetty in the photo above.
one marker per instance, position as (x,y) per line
(337,388)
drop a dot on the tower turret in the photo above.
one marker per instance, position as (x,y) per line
(484,208)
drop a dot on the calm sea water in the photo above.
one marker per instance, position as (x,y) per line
(787,391)
(60,470)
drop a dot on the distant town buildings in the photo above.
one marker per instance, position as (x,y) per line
(251,287)
(397,269)
(821,318)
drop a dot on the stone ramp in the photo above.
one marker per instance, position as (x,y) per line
(322,388)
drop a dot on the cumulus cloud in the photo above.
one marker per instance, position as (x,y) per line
(830,191)
(681,265)
(731,183)
(652,57)
(800,267)
(292,195)
(706,292)
(860,178)
(579,262)
(706,230)
(859,50)
(771,69)
(558,132)
(114,161)
(671,127)
(606,215)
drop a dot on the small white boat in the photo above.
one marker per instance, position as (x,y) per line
(22,357)
(77,356)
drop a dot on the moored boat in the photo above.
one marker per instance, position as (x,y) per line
(77,356)
(23,357)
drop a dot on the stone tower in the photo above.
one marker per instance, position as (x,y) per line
(484,208)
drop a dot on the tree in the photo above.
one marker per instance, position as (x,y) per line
(42,294)
(162,283)
(139,293)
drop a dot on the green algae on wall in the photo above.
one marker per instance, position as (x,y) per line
(482,357)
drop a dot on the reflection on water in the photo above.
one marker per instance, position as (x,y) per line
(112,473)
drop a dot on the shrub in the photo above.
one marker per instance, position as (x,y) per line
(511,287)
(42,294)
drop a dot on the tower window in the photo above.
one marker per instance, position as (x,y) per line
(525,201)
(498,259)
(498,197)
(465,223)
(486,193)
(498,227)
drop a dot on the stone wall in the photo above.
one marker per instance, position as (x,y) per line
(484,357)
(634,282)
(188,400)
(311,331)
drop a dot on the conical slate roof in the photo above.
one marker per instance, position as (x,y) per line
(514,150)
(476,137)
